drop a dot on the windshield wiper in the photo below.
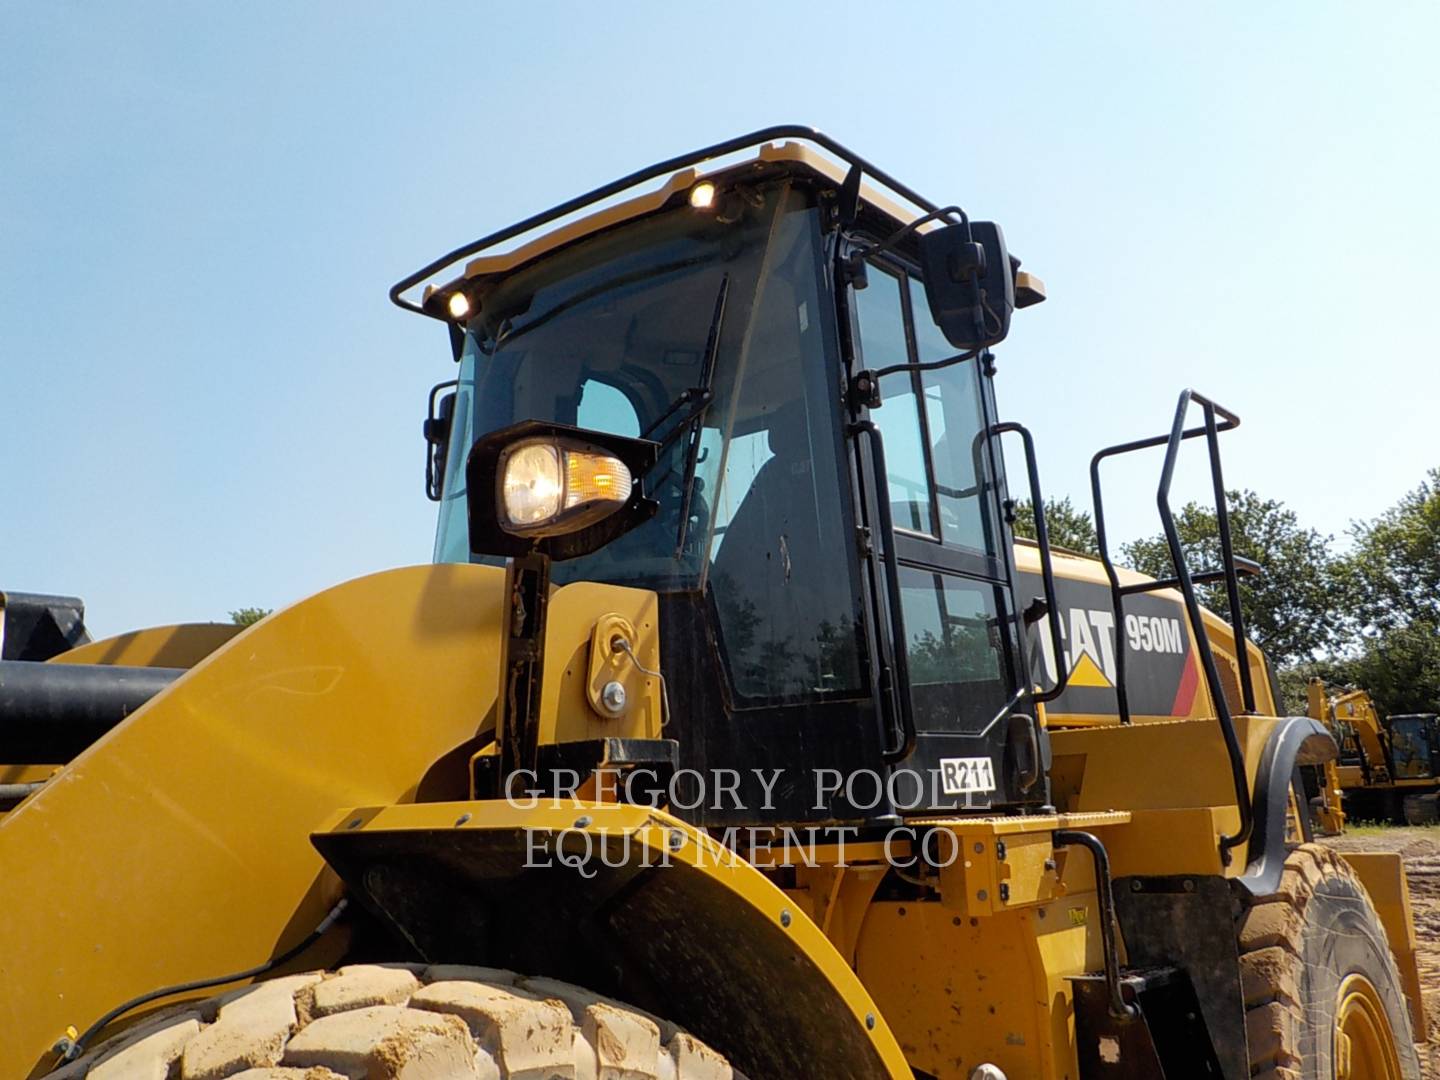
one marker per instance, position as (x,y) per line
(698,397)
(691,421)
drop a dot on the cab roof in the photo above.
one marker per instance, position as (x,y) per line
(788,149)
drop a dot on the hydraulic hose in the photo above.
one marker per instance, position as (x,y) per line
(70,1049)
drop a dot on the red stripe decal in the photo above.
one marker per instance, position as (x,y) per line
(1185,694)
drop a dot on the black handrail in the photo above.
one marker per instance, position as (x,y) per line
(1109,924)
(1185,580)
(650,172)
(1047,570)
(899,688)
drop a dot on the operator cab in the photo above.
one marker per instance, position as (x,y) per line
(1415,745)
(854,628)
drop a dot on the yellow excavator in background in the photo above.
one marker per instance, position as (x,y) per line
(1387,769)
(730,732)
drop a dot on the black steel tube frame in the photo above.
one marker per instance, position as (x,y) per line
(1109,925)
(899,688)
(1047,570)
(1185,580)
(640,176)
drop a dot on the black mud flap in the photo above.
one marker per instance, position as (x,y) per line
(1167,1038)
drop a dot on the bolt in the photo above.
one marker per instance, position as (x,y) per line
(979,847)
(582,821)
(982,895)
(612,698)
(1050,864)
(676,840)
(1004,893)
(784,918)
(354,824)
(1189,885)
(1135,885)
(869,1021)
(462,819)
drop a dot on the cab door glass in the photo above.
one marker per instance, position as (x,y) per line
(954,649)
(955,416)
(881,318)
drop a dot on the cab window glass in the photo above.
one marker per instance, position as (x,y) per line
(930,343)
(747,454)
(606,408)
(882,342)
(953,648)
(955,416)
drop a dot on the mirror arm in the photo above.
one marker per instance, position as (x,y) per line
(888,244)
(854,262)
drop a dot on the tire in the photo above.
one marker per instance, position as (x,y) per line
(1313,957)
(404,1022)
(1421,809)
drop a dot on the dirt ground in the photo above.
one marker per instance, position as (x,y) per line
(1421,850)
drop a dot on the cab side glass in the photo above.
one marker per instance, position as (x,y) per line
(882,342)
(953,646)
(955,418)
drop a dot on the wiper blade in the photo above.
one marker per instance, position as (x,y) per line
(698,397)
(707,376)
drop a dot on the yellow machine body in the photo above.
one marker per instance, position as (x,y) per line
(331,716)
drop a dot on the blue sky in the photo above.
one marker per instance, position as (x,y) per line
(206,401)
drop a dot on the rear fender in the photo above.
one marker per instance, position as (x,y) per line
(629,902)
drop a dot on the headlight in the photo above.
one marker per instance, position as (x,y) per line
(550,486)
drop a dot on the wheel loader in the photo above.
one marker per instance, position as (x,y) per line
(730,732)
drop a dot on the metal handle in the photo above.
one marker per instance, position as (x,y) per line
(1047,569)
(899,661)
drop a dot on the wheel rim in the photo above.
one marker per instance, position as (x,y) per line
(1364,1042)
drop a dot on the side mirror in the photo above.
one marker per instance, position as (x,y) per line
(438,420)
(970,283)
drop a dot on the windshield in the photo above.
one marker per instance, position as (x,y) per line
(1410,747)
(609,335)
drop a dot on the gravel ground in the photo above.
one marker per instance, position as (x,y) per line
(1421,850)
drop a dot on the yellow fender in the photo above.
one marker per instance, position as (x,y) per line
(628,901)
(182,645)
(177,846)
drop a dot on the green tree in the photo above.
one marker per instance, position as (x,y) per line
(1392,581)
(249,616)
(1290,606)
(1069,528)
(1399,666)
(1394,569)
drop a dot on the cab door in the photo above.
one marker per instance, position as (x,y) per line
(945,487)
